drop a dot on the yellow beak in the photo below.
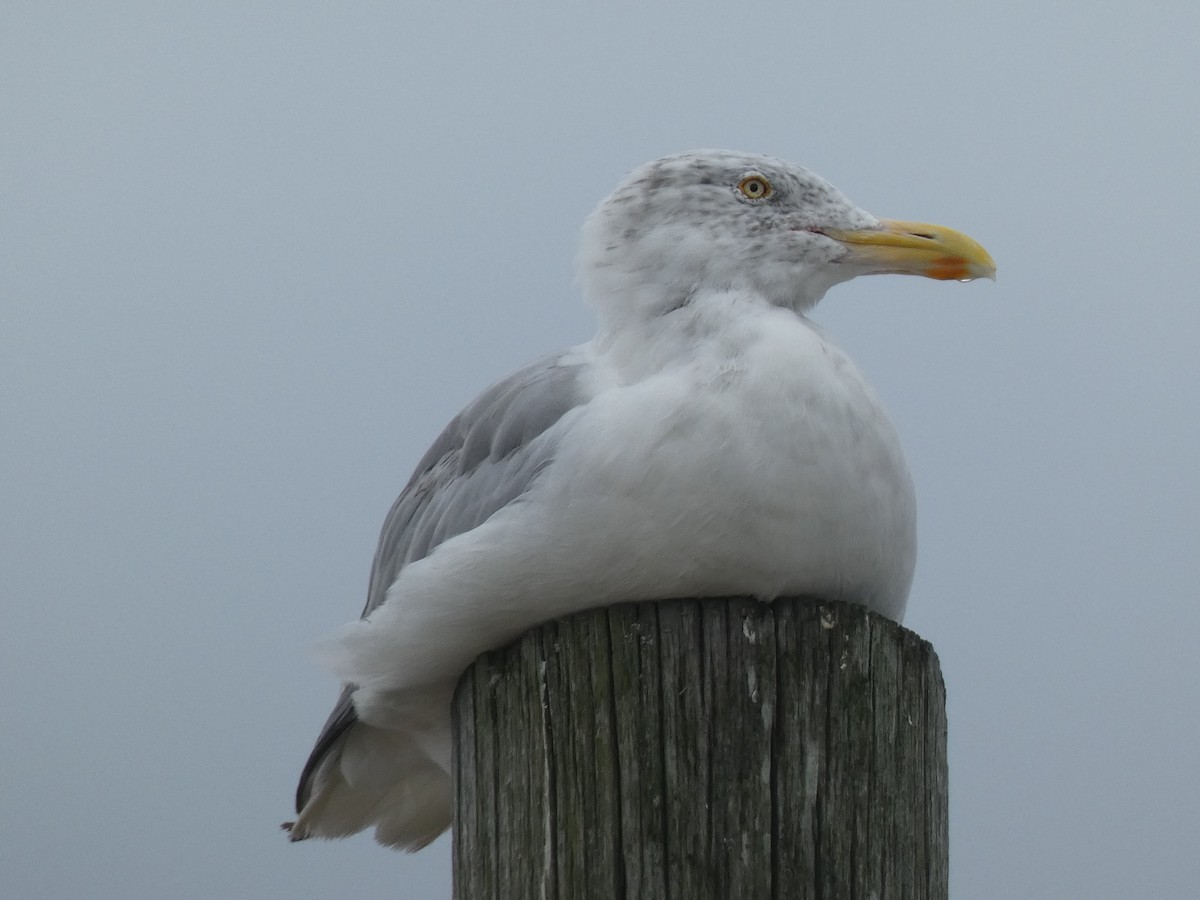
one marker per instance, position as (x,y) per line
(915,248)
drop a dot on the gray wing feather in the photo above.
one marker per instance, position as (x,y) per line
(486,458)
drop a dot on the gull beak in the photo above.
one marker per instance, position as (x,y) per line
(915,248)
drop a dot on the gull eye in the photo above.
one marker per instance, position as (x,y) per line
(755,187)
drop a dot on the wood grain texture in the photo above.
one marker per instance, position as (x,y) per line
(697,749)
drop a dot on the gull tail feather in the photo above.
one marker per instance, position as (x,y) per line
(362,776)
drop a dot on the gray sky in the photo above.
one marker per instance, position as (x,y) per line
(253,257)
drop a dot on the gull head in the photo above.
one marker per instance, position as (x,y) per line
(722,220)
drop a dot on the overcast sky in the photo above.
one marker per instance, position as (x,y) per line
(254,256)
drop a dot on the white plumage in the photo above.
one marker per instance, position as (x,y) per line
(709,441)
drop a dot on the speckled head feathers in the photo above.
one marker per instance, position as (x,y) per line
(719,220)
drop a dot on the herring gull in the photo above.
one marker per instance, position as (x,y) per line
(710,440)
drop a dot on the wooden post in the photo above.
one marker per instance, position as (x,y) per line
(703,750)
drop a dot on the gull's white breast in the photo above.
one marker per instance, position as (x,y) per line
(760,464)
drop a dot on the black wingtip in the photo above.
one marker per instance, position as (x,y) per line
(339,722)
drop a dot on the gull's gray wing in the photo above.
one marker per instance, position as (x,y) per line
(487,457)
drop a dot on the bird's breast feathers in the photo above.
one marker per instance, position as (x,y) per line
(775,460)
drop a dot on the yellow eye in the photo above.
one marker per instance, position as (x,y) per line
(755,187)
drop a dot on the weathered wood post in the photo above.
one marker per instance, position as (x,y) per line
(703,750)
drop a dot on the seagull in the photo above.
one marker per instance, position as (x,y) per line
(709,441)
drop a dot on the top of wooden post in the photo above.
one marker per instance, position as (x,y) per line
(704,749)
